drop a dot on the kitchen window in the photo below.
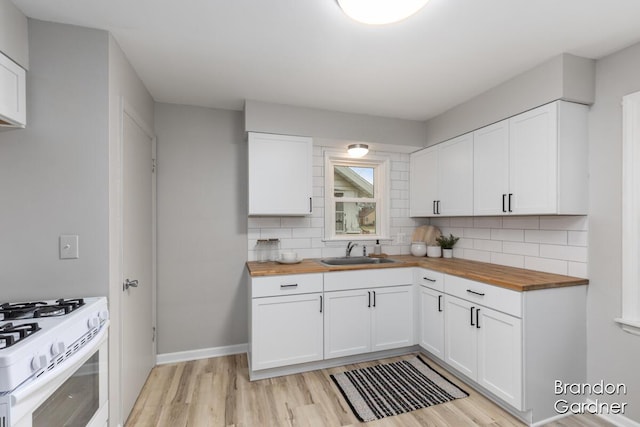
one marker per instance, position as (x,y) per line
(356,197)
(630,319)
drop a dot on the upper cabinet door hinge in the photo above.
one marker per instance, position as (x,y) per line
(153,165)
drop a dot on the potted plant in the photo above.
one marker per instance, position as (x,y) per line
(447,243)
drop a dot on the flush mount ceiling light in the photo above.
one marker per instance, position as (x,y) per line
(357,150)
(378,12)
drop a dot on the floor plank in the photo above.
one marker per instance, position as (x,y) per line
(217,392)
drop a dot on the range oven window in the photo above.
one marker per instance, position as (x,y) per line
(75,402)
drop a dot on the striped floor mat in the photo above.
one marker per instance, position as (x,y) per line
(395,388)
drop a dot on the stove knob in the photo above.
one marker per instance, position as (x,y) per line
(38,362)
(104,315)
(57,348)
(93,322)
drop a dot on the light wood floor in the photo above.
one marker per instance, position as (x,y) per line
(217,392)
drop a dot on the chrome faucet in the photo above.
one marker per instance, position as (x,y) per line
(350,247)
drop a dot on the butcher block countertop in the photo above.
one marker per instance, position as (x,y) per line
(517,279)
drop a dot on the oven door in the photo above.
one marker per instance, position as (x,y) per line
(73,394)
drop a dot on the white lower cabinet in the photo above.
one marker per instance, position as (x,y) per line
(431,321)
(486,346)
(286,320)
(364,320)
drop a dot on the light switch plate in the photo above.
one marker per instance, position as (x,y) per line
(69,246)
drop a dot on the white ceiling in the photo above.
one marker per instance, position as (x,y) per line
(216,53)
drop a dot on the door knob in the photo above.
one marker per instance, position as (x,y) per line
(129,284)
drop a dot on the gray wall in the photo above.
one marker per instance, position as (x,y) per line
(290,120)
(53,174)
(202,228)
(612,354)
(565,77)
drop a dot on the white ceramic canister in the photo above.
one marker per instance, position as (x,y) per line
(418,248)
(434,251)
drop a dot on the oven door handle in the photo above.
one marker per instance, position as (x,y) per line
(51,380)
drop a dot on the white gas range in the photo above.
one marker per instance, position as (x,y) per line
(53,363)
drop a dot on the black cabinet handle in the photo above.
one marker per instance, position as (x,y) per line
(510,196)
(310,205)
(471,320)
(431,280)
(434,207)
(438,207)
(320,303)
(475,293)
(293,285)
(369,292)
(439,303)
(374,298)
(477,319)
(504,207)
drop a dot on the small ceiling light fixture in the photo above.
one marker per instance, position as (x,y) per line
(379,12)
(357,150)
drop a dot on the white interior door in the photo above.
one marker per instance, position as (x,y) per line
(137,347)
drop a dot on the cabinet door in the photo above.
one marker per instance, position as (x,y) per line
(461,344)
(423,182)
(286,330)
(12,93)
(500,355)
(455,176)
(280,174)
(392,317)
(533,159)
(347,323)
(432,321)
(491,169)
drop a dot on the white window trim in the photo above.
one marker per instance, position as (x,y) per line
(382,184)
(630,319)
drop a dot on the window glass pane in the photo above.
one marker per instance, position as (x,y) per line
(355,218)
(353,182)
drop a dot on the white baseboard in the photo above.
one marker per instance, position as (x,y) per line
(204,353)
(617,419)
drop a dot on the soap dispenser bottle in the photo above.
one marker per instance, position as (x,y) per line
(377,250)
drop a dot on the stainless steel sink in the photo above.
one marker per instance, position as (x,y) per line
(355,260)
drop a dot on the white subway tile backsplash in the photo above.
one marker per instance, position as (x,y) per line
(554,237)
(487,245)
(297,221)
(295,243)
(487,222)
(306,232)
(477,233)
(507,259)
(509,235)
(464,243)
(263,222)
(547,265)
(577,223)
(578,238)
(578,269)
(476,255)
(517,248)
(399,185)
(275,233)
(441,222)
(462,221)
(568,253)
(521,222)
(399,166)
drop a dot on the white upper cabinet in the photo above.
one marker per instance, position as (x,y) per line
(280,175)
(441,179)
(13,98)
(491,169)
(533,163)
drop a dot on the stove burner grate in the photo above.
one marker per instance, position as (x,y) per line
(11,334)
(31,310)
